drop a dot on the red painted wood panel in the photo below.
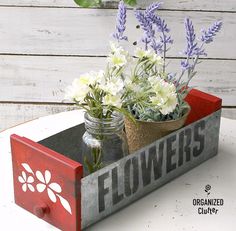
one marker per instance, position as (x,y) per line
(47,183)
(202,104)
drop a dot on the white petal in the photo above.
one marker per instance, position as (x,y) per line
(40,177)
(40,187)
(47,176)
(56,187)
(30,179)
(24,175)
(20,178)
(27,168)
(24,187)
(31,187)
(51,195)
(65,204)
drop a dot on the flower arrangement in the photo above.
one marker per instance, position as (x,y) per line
(139,85)
(161,93)
(101,93)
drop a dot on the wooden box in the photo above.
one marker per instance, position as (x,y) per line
(48,176)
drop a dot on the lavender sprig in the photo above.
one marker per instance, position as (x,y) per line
(146,25)
(193,51)
(186,65)
(153,7)
(152,23)
(157,46)
(120,23)
(165,39)
(208,35)
(192,46)
(163,28)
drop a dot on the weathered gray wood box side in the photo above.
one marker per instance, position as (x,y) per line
(132,177)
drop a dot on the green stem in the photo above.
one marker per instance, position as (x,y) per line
(190,74)
(164,54)
(180,77)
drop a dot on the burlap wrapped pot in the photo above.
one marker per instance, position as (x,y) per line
(143,133)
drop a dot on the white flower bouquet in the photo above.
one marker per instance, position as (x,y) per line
(103,92)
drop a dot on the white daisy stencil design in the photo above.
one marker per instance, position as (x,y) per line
(52,188)
(26,182)
(44,184)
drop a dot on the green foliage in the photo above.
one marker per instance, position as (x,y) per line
(130,2)
(97,3)
(150,114)
(88,3)
(96,162)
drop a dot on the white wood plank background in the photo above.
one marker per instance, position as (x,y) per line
(66,31)
(203,5)
(46,43)
(12,114)
(44,78)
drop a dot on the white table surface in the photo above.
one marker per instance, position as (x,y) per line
(168,208)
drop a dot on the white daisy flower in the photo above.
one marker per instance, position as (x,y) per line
(76,91)
(113,100)
(154,58)
(52,188)
(117,60)
(113,86)
(91,78)
(170,104)
(141,53)
(115,48)
(26,182)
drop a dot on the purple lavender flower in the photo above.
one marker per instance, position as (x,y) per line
(185,65)
(167,39)
(146,25)
(153,7)
(208,35)
(164,38)
(193,51)
(161,25)
(192,46)
(120,23)
(171,76)
(147,21)
(157,46)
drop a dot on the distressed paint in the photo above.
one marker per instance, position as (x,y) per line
(37,181)
(124,181)
(59,206)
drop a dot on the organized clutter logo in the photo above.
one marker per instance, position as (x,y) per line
(208,205)
(207,189)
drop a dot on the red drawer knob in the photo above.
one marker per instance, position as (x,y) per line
(41,210)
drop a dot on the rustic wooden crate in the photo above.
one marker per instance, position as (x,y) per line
(48,176)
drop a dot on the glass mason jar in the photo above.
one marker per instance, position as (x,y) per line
(104,142)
